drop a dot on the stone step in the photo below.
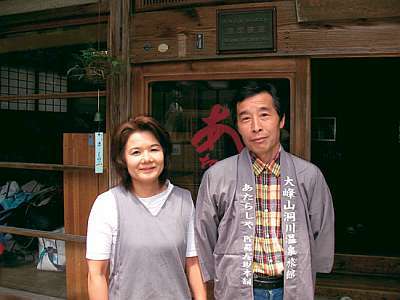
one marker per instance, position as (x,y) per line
(358,286)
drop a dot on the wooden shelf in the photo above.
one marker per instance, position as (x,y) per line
(91,94)
(48,167)
(44,234)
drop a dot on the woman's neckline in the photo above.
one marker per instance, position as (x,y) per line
(148,192)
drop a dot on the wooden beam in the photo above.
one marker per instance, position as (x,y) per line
(39,166)
(71,12)
(141,5)
(300,111)
(53,25)
(377,36)
(43,234)
(80,191)
(70,95)
(53,38)
(328,10)
(13,7)
(119,45)
(120,87)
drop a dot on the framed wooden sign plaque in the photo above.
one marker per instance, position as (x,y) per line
(246,31)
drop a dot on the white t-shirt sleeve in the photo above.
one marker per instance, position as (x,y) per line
(102,228)
(191,246)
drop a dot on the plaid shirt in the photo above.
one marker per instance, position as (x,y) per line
(268,240)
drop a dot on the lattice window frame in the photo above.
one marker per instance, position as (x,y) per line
(24,82)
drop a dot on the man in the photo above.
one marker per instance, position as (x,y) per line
(264,218)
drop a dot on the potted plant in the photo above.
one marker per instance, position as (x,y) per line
(94,66)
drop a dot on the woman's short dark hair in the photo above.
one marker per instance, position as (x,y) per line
(121,136)
(249,88)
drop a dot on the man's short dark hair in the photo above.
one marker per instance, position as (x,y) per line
(121,136)
(249,88)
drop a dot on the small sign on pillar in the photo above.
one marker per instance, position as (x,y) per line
(99,158)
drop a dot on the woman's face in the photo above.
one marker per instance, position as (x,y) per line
(144,157)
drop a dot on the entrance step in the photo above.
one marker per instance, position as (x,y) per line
(358,286)
(349,263)
(361,277)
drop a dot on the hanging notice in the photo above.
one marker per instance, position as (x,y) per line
(98,150)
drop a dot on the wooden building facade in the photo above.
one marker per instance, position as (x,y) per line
(335,61)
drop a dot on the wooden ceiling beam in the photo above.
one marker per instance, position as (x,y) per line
(54,38)
(53,24)
(331,10)
(14,7)
(70,12)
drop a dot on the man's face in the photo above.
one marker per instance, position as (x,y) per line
(259,125)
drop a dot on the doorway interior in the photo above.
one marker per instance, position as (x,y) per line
(355,141)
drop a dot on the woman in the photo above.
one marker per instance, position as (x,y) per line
(141,232)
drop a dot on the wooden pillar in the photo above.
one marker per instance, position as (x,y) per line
(301,110)
(80,190)
(120,86)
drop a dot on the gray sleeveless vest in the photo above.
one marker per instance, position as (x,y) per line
(150,251)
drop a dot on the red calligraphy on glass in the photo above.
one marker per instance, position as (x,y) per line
(205,138)
(206,161)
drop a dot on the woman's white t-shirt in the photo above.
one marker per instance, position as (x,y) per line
(103,224)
